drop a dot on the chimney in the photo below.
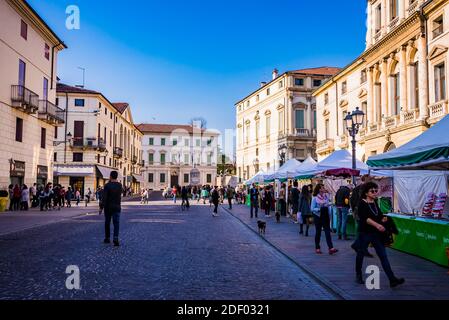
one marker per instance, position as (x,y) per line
(275,73)
(262,84)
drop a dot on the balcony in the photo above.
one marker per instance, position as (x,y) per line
(141,163)
(50,113)
(326,145)
(118,152)
(344,141)
(437,111)
(362,132)
(378,35)
(412,8)
(302,132)
(393,23)
(373,127)
(134,159)
(24,99)
(437,31)
(410,116)
(88,144)
(390,122)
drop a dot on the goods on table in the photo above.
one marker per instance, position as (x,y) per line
(428,205)
(438,206)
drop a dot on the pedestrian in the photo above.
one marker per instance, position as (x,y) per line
(62,193)
(175,193)
(11,197)
(267,201)
(370,230)
(88,196)
(342,204)
(215,199)
(354,200)
(100,196)
(56,195)
(78,197)
(305,200)
(185,197)
(230,196)
(254,199)
(320,209)
(68,197)
(17,195)
(282,202)
(33,196)
(111,204)
(25,198)
(294,198)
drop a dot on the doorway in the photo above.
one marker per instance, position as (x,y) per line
(77,183)
(174,180)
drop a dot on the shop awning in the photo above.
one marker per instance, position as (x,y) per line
(138,178)
(74,171)
(106,172)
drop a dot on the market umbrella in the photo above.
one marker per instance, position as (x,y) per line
(430,150)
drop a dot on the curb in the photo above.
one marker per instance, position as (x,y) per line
(329,286)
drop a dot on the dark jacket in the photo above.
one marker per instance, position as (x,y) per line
(215,196)
(294,196)
(355,198)
(304,205)
(112,197)
(342,194)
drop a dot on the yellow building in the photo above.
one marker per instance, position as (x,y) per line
(98,137)
(399,81)
(28,60)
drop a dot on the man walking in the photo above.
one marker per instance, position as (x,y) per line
(111,203)
(230,196)
(294,198)
(342,204)
(215,197)
(254,198)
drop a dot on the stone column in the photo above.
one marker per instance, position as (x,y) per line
(422,75)
(384,93)
(404,77)
(384,17)
(369,31)
(370,95)
(401,10)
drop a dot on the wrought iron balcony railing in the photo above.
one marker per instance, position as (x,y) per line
(24,99)
(118,152)
(88,143)
(50,113)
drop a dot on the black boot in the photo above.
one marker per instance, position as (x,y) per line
(359,279)
(301,229)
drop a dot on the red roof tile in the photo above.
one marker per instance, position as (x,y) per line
(64,88)
(120,106)
(328,71)
(163,128)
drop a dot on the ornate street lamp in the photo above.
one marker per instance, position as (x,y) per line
(282,153)
(353,122)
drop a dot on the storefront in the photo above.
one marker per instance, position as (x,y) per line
(42,176)
(17,172)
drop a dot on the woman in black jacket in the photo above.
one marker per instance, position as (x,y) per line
(370,231)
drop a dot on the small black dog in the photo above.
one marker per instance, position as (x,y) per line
(278,217)
(262,226)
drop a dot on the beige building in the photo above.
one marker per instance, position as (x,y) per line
(28,60)
(399,81)
(98,137)
(178,155)
(280,112)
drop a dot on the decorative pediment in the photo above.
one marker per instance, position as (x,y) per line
(437,51)
(362,93)
(247,122)
(343,103)
(257,117)
(280,107)
(239,125)
(326,112)
(268,113)
(299,105)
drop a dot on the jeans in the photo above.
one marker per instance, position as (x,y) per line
(254,205)
(115,216)
(283,207)
(174,199)
(322,222)
(342,218)
(230,203)
(365,239)
(267,208)
(215,207)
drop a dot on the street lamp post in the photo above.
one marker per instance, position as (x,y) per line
(353,122)
(282,150)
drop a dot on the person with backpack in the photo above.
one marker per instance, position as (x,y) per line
(342,203)
(68,197)
(111,204)
(254,199)
(215,199)
(230,196)
(305,200)
(17,195)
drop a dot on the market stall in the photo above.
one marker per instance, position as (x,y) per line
(421,194)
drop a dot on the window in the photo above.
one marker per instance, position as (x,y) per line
(344,87)
(440,82)
(151,141)
(209,159)
(77,157)
(105,110)
(24,30)
(55,157)
(314,119)
(162,141)
(247,103)
(394,9)
(299,82)
(45,89)
(22,73)
(110,115)
(299,119)
(396,94)
(186,142)
(47,52)
(163,158)
(175,141)
(150,178)
(247,133)
(162,178)
(257,98)
(267,127)
(257,130)
(326,98)
(437,28)
(257,152)
(186,178)
(198,142)
(365,111)
(19,129)
(79,102)
(268,91)
(415,83)
(209,178)
(281,84)
(378,17)
(363,76)
(57,101)
(209,142)
(326,128)
(343,122)
(316,82)
(186,159)
(281,121)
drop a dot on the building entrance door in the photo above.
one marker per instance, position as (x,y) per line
(77,183)
(174,180)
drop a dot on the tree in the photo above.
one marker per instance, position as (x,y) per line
(198,121)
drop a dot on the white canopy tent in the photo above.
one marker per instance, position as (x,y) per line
(257,178)
(284,172)
(305,166)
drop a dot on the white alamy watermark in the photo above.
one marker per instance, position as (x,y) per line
(73,20)
(73,281)
(372,282)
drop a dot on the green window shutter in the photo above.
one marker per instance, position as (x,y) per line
(299,119)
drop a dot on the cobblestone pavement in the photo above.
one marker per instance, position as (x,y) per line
(165,254)
(424,279)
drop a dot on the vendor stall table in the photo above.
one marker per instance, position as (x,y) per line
(426,238)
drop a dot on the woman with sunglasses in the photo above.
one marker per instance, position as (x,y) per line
(370,230)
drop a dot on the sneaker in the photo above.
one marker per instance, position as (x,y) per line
(318,251)
(332,251)
(396,282)
(107,241)
(359,279)
(116,243)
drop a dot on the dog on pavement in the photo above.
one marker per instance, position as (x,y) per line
(278,217)
(262,226)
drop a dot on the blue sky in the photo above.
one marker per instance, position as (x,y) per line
(173,60)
